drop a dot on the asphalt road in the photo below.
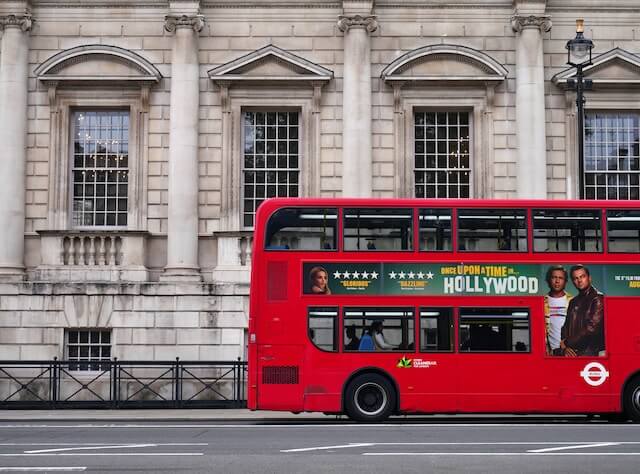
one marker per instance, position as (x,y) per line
(430,445)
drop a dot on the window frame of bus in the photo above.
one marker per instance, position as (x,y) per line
(335,227)
(504,310)
(450,314)
(422,211)
(411,231)
(599,237)
(524,218)
(334,316)
(409,315)
(609,219)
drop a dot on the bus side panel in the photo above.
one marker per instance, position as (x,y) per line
(622,335)
(280,377)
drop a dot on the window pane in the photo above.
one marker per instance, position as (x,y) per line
(302,229)
(494,330)
(88,345)
(380,329)
(378,229)
(435,229)
(322,328)
(441,161)
(100,141)
(271,145)
(623,231)
(436,329)
(566,230)
(611,155)
(483,230)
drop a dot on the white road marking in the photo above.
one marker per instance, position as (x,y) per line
(500,454)
(45,469)
(22,455)
(579,446)
(115,446)
(97,444)
(341,425)
(321,448)
(563,445)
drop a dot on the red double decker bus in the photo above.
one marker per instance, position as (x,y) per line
(373,307)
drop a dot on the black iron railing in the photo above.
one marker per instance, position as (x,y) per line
(122,384)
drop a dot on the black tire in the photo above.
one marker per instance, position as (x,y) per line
(370,397)
(632,399)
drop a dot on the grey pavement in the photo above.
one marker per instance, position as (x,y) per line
(244,415)
(158,415)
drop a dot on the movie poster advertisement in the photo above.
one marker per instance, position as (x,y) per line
(573,293)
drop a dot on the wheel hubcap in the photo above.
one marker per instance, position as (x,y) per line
(635,399)
(370,398)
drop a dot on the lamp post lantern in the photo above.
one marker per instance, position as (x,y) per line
(579,56)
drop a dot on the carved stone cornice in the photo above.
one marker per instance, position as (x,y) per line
(522,22)
(173,22)
(368,22)
(24,22)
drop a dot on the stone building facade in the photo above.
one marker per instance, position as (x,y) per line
(139,136)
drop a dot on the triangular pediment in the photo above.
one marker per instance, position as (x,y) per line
(614,68)
(97,63)
(448,63)
(270,64)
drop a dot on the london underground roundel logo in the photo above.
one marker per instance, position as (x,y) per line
(594,373)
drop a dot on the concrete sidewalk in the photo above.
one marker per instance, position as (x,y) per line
(159,415)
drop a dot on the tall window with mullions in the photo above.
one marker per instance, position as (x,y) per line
(271,159)
(442,154)
(612,155)
(100,168)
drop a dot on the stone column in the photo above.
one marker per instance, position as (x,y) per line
(530,107)
(357,165)
(14,73)
(182,230)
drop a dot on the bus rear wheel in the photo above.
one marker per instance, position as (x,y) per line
(632,399)
(369,397)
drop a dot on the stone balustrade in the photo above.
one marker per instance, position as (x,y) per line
(234,257)
(92,256)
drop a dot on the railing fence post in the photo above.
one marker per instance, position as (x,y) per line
(54,381)
(178,389)
(115,383)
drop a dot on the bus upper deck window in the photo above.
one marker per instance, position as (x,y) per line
(566,230)
(435,229)
(623,230)
(302,229)
(381,229)
(492,230)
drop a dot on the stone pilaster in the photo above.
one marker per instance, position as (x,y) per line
(356,114)
(13,136)
(530,105)
(182,232)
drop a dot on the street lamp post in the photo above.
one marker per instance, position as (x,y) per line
(579,56)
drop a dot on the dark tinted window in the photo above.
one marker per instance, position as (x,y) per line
(494,330)
(623,230)
(487,230)
(322,328)
(436,329)
(435,229)
(394,327)
(379,229)
(302,229)
(566,230)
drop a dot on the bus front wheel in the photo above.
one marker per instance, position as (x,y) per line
(632,399)
(370,397)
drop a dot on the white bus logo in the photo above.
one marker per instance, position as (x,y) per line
(594,373)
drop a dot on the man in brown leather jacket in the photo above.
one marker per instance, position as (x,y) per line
(583,330)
